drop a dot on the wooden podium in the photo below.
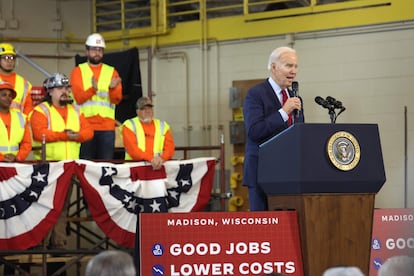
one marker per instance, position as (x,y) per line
(334,201)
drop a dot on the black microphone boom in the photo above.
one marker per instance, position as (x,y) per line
(331,104)
(340,111)
(338,105)
(330,100)
(334,102)
(321,101)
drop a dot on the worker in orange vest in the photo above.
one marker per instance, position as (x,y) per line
(147,138)
(60,123)
(23,100)
(97,89)
(15,137)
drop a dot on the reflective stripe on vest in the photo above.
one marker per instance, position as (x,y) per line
(100,103)
(12,145)
(61,150)
(161,129)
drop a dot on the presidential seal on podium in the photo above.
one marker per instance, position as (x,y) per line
(343,150)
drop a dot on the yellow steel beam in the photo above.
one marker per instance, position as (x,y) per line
(295,20)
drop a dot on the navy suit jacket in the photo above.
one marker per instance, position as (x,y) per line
(262,121)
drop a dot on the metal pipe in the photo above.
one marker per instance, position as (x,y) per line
(44,40)
(183,56)
(405,159)
(222,174)
(32,63)
(48,56)
(149,69)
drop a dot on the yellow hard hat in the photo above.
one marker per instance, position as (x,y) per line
(7,49)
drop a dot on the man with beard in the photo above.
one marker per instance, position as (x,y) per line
(23,100)
(268,110)
(97,88)
(146,138)
(15,138)
(62,126)
(58,122)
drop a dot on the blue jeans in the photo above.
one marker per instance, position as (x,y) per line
(101,147)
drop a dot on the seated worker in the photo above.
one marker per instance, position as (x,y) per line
(63,127)
(146,138)
(15,137)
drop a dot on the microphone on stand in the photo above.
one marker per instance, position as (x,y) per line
(295,93)
(321,101)
(334,102)
(331,104)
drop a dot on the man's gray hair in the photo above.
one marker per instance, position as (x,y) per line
(110,263)
(397,265)
(343,271)
(275,55)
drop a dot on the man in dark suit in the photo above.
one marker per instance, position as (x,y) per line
(267,113)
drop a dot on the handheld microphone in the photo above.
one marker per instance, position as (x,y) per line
(321,101)
(295,92)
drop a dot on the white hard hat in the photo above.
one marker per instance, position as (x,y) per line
(95,40)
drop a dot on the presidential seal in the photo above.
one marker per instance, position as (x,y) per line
(343,150)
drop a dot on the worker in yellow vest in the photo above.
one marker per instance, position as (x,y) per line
(147,138)
(59,122)
(15,138)
(62,126)
(97,88)
(23,100)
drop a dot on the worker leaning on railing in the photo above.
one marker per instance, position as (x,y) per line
(147,138)
(62,127)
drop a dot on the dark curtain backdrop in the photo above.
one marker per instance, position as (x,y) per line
(127,65)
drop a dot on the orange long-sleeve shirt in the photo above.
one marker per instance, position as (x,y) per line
(25,145)
(28,102)
(131,145)
(115,96)
(38,123)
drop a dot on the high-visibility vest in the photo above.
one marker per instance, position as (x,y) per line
(60,150)
(161,129)
(100,103)
(11,145)
(22,88)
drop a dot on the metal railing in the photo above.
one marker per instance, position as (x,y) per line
(118,15)
(97,241)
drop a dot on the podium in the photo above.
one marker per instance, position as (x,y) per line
(329,174)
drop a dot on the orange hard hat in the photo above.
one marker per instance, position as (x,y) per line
(9,86)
